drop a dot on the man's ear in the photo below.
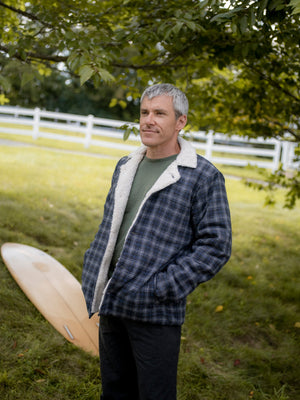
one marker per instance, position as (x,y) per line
(181,122)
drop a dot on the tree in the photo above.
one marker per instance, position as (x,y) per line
(238,61)
(58,92)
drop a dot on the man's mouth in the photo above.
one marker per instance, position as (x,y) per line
(145,130)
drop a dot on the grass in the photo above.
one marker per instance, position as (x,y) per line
(241,336)
(64,145)
(248,172)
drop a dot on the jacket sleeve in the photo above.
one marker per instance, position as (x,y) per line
(211,246)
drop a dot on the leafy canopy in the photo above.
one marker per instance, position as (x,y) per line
(238,61)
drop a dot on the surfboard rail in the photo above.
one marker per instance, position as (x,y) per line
(54,291)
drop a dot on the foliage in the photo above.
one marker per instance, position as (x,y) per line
(238,61)
(241,335)
(272,182)
(242,62)
(57,92)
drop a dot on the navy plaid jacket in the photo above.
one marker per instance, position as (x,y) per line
(181,237)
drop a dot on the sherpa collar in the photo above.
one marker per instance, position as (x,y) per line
(186,158)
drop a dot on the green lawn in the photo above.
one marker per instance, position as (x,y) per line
(241,336)
(248,172)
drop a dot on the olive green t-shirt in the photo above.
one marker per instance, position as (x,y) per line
(149,170)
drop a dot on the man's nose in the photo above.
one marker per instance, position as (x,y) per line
(149,118)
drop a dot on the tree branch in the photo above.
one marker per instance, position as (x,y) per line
(31,55)
(57,58)
(147,66)
(283,127)
(272,82)
(25,14)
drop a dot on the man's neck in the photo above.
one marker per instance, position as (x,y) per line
(156,153)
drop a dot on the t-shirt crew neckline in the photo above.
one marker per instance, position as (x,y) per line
(154,160)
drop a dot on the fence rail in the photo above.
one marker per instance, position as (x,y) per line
(92,131)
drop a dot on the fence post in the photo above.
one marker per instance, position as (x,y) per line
(36,123)
(88,130)
(209,145)
(288,155)
(276,157)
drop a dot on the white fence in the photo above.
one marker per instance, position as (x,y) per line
(87,130)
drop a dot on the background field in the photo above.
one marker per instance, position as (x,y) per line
(241,336)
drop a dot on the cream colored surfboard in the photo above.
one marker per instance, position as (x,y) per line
(54,291)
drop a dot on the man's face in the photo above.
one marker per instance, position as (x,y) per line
(158,126)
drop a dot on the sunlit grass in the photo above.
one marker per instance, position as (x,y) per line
(65,145)
(246,172)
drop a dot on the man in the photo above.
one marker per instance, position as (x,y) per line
(165,229)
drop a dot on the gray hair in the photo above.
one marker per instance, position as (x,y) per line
(180,101)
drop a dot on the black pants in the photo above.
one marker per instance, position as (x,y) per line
(138,360)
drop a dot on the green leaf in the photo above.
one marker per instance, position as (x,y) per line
(5,83)
(113,102)
(251,17)
(27,77)
(105,75)
(3,99)
(243,23)
(85,73)
(219,18)
(128,129)
(126,134)
(123,104)
(233,27)
(276,5)
(177,27)
(73,60)
(296,5)
(245,50)
(191,25)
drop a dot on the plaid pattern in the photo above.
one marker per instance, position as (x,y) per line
(180,238)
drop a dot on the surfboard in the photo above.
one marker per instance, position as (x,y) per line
(54,291)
